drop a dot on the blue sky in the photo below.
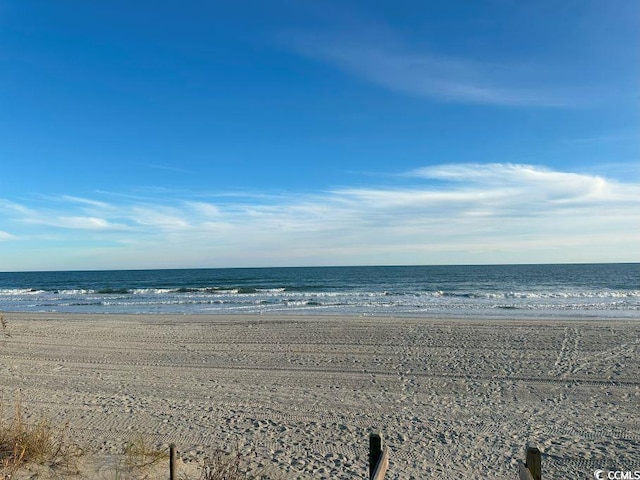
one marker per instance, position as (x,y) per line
(250,133)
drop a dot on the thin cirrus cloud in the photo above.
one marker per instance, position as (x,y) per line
(383,60)
(449,213)
(85,201)
(4,236)
(532,182)
(86,223)
(73,222)
(169,168)
(506,205)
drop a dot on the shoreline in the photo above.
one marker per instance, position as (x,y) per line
(301,393)
(537,317)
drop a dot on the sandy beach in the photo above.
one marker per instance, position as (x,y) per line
(300,394)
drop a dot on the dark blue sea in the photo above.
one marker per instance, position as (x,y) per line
(594,290)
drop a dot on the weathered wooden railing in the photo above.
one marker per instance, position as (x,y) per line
(532,468)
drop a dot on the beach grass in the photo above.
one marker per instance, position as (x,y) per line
(35,443)
(3,326)
(139,456)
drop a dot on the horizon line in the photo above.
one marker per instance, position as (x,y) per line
(325,266)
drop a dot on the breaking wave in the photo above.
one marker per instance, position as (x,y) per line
(606,290)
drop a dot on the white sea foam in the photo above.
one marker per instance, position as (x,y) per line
(19,291)
(461,290)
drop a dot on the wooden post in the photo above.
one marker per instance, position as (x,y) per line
(523,472)
(375,450)
(378,457)
(173,462)
(534,462)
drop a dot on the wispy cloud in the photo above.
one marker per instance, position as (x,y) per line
(67,222)
(479,213)
(4,236)
(73,213)
(159,217)
(11,207)
(601,139)
(84,201)
(526,180)
(207,210)
(169,168)
(85,223)
(382,58)
(629,171)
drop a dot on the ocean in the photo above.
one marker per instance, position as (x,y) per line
(514,291)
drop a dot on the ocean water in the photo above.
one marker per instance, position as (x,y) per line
(593,290)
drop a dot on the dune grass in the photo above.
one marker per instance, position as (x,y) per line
(222,466)
(139,454)
(33,443)
(39,443)
(3,326)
